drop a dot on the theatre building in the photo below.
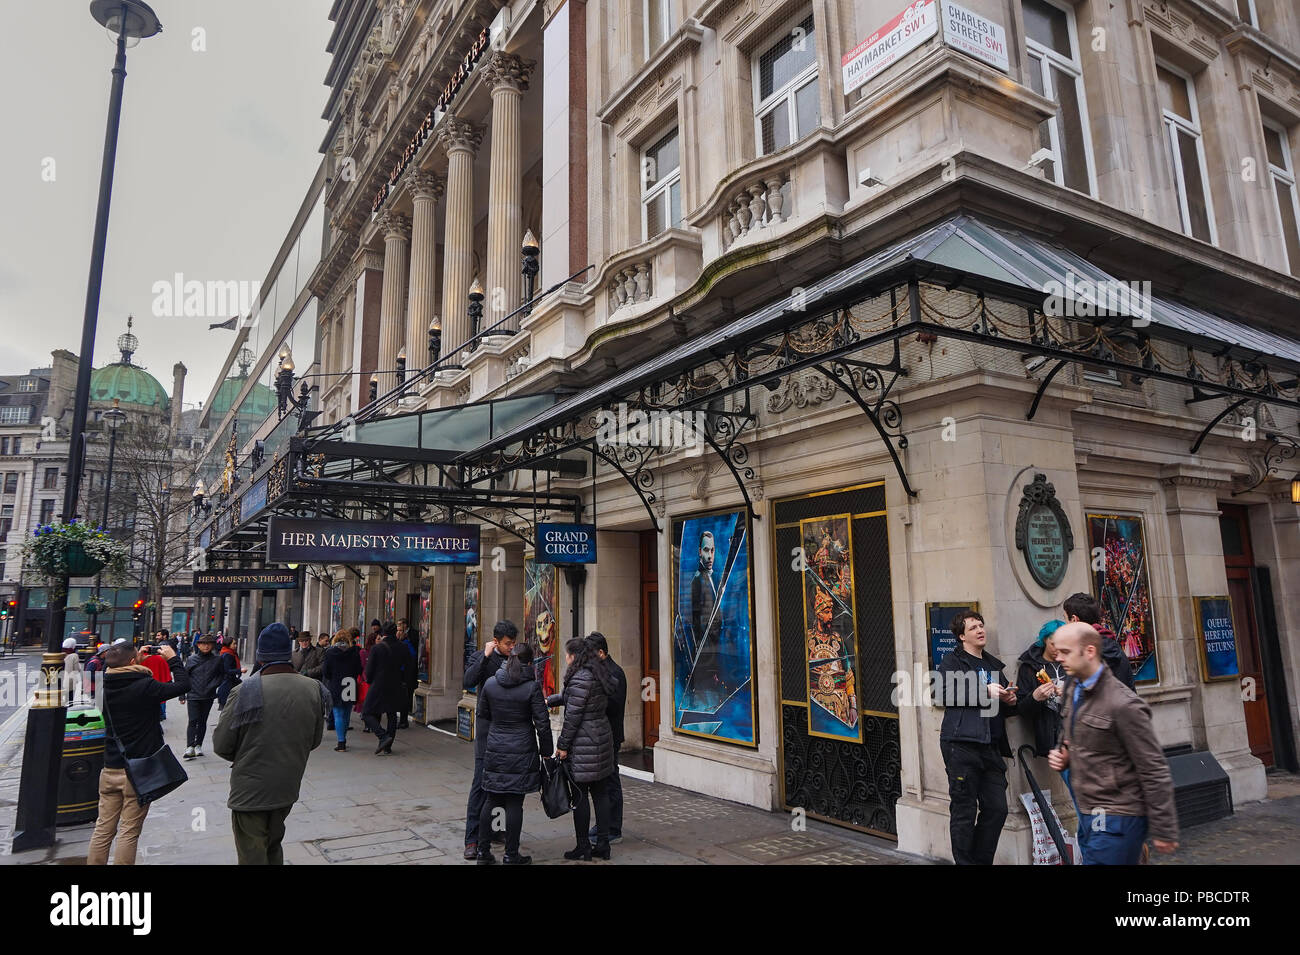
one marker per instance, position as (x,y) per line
(814,322)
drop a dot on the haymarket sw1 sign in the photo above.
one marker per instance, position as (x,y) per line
(302,541)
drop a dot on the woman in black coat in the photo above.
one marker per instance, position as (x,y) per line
(587,742)
(1041,707)
(384,675)
(341,674)
(512,705)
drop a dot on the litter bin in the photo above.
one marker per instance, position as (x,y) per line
(83,758)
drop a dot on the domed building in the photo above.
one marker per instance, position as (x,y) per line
(256,407)
(137,392)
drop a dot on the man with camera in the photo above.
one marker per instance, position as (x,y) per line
(131,700)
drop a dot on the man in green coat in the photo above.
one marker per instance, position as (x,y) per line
(271,723)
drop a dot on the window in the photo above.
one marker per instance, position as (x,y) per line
(11,482)
(1186,151)
(51,480)
(47,510)
(1282,172)
(658,24)
(6,519)
(4,445)
(1246,10)
(787,105)
(661,186)
(26,384)
(17,446)
(16,414)
(1053,69)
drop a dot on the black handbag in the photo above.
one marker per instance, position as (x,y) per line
(557,793)
(152,777)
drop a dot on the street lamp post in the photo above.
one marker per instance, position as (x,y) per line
(115,415)
(43,747)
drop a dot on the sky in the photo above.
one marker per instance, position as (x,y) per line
(218,143)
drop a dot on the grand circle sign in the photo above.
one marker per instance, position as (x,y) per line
(1043,534)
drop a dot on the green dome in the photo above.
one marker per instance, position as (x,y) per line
(131,384)
(259,403)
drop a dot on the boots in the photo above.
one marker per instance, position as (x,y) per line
(601,851)
(580,852)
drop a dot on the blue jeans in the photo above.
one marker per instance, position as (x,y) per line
(1108,839)
(341,715)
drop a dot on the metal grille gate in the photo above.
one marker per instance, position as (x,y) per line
(855,784)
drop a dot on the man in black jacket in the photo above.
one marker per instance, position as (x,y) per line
(614,713)
(482,666)
(131,711)
(974,691)
(1084,608)
(205,674)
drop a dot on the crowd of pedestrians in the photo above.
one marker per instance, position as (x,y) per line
(1075,691)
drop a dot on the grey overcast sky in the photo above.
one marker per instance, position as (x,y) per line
(216,150)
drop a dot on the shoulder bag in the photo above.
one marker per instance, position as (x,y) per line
(152,777)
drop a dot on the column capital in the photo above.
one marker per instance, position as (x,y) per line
(456,133)
(425,185)
(507,71)
(395,226)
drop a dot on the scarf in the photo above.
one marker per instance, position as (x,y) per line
(131,668)
(249,702)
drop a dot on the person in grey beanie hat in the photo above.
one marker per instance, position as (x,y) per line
(271,724)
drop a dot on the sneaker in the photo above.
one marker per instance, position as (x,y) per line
(471,852)
(189,752)
(341,748)
(613,836)
(198,750)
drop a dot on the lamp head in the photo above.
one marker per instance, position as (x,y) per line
(530,246)
(138,23)
(476,291)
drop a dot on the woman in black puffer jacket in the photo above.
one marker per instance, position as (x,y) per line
(341,673)
(513,706)
(587,742)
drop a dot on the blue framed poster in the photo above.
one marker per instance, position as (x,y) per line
(1217,638)
(713,645)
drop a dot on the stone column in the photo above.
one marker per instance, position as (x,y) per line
(461,140)
(508,76)
(392,310)
(426,190)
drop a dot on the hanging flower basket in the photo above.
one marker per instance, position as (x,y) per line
(58,551)
(95,604)
(81,564)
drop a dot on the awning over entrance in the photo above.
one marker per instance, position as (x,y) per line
(1029,296)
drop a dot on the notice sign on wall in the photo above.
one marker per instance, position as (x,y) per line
(938,622)
(1217,637)
(891,42)
(292,540)
(975,35)
(566,543)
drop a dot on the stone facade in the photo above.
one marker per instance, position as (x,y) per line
(481,120)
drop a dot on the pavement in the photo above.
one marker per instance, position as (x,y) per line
(409,808)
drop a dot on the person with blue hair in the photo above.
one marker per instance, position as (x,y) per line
(1040,669)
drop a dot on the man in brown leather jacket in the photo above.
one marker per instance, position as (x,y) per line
(1117,770)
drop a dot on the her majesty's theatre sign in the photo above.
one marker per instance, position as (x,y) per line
(300,541)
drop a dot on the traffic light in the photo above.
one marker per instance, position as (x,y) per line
(137,608)
(8,608)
